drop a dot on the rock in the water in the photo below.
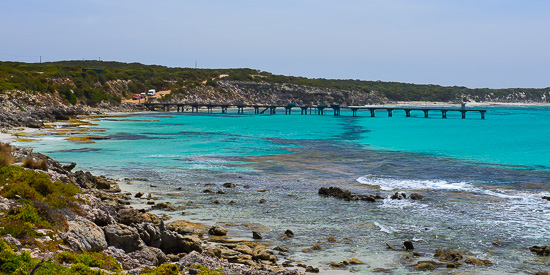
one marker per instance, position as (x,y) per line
(475,261)
(355,261)
(312,269)
(398,196)
(164,206)
(229,185)
(540,250)
(257,235)
(447,255)
(331,239)
(391,246)
(424,266)
(415,196)
(281,248)
(408,245)
(546,198)
(217,230)
(84,235)
(343,194)
(139,195)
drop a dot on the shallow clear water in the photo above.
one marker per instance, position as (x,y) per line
(482,179)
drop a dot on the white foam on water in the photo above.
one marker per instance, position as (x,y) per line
(388,184)
(385,228)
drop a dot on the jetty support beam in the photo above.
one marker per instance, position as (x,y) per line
(443,113)
(390,112)
(372,112)
(426,113)
(482,114)
(408,113)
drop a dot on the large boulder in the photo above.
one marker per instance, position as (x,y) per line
(186,227)
(175,243)
(122,257)
(217,230)
(123,237)
(149,233)
(84,235)
(130,216)
(150,256)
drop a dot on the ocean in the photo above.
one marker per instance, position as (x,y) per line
(482,180)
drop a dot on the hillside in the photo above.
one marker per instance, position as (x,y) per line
(93,82)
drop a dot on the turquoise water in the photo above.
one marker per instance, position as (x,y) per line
(482,179)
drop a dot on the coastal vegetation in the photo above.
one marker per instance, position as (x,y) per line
(92,82)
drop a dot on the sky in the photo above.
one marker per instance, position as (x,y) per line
(472,43)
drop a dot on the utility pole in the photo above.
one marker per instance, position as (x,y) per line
(195,64)
(40,59)
(99,63)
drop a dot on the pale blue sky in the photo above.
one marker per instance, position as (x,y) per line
(482,43)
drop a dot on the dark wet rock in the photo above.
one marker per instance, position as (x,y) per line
(289,233)
(281,248)
(316,247)
(424,266)
(220,192)
(408,245)
(343,194)
(208,191)
(312,269)
(447,255)
(475,261)
(540,250)
(88,181)
(164,206)
(453,264)
(139,195)
(415,196)
(496,243)
(257,235)
(229,185)
(69,167)
(546,198)
(398,196)
(84,235)
(217,230)
(331,239)
(151,202)
(123,237)
(262,201)
(542,273)
(216,202)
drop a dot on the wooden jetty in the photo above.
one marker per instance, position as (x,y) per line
(318,109)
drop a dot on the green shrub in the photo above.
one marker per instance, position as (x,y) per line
(89,259)
(6,157)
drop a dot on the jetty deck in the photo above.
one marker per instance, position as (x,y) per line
(311,109)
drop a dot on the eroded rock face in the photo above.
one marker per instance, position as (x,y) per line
(175,243)
(149,233)
(84,235)
(122,257)
(123,237)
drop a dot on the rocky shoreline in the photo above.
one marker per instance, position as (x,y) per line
(103,222)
